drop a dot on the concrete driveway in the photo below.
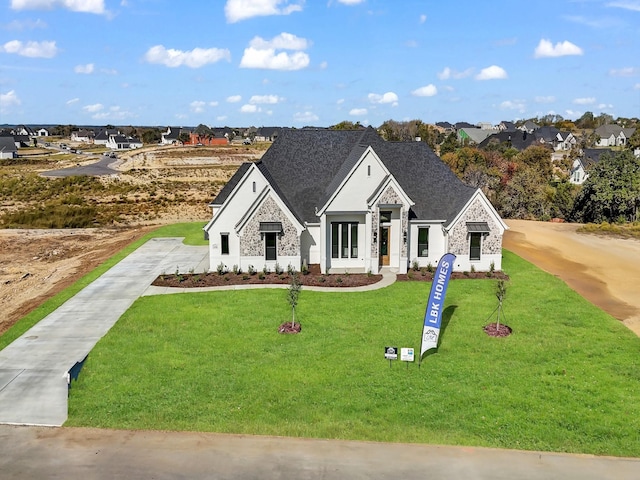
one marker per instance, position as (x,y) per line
(33,369)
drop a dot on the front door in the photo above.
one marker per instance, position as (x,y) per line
(384,246)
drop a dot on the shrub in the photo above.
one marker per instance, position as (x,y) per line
(261,276)
(265,270)
(430,267)
(278,269)
(473,269)
(221,268)
(415,265)
(251,270)
(305,269)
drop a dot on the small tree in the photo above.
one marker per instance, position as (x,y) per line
(292,296)
(501,292)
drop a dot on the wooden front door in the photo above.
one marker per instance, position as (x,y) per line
(384,246)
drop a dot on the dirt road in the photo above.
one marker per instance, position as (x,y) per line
(604,270)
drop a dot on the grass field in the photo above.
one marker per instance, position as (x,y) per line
(566,380)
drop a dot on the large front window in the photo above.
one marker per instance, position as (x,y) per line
(475,246)
(344,240)
(270,244)
(423,242)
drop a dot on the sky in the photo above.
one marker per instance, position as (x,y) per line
(298,63)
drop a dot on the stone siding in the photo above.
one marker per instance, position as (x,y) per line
(391,197)
(459,236)
(252,242)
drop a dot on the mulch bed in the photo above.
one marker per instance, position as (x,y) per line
(214,279)
(424,275)
(495,330)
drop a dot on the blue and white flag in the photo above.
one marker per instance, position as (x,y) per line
(435,305)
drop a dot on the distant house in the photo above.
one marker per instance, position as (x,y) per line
(198,139)
(514,139)
(507,127)
(613,135)
(346,200)
(266,134)
(529,126)
(84,136)
(582,164)
(102,137)
(172,135)
(8,147)
(120,142)
(473,135)
(24,130)
(445,127)
(42,132)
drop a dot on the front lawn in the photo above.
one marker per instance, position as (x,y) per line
(566,380)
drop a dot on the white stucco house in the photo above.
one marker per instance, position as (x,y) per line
(350,201)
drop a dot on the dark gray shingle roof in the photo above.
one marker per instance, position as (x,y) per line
(306,166)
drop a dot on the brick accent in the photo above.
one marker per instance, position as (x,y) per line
(459,238)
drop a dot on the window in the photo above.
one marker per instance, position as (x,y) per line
(423,242)
(344,240)
(474,245)
(254,187)
(368,170)
(385,216)
(270,244)
(224,243)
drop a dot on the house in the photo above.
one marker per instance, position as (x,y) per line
(266,134)
(42,132)
(613,135)
(172,136)
(210,139)
(505,126)
(8,147)
(581,165)
(120,142)
(513,139)
(102,137)
(347,200)
(24,130)
(473,135)
(529,126)
(84,136)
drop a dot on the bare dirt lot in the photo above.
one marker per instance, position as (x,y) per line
(604,270)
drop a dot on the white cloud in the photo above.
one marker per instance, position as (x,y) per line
(358,111)
(426,91)
(636,86)
(234,98)
(85,69)
(8,100)
(197,106)
(546,49)
(519,105)
(493,72)
(109,71)
(247,108)
(633,5)
(44,49)
(340,101)
(389,97)
(350,2)
(305,117)
(72,101)
(213,104)
(423,18)
(18,25)
(221,118)
(114,113)
(624,72)
(85,6)
(573,114)
(261,53)
(605,106)
(599,22)
(96,107)
(547,99)
(584,101)
(269,99)
(236,10)
(196,58)
(448,73)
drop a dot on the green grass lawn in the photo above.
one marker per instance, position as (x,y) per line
(566,380)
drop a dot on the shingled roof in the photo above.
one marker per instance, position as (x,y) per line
(306,166)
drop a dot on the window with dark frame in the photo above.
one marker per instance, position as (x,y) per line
(423,242)
(270,245)
(344,240)
(224,243)
(475,243)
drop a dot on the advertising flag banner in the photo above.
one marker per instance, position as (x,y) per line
(435,305)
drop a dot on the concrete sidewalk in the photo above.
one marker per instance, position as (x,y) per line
(33,369)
